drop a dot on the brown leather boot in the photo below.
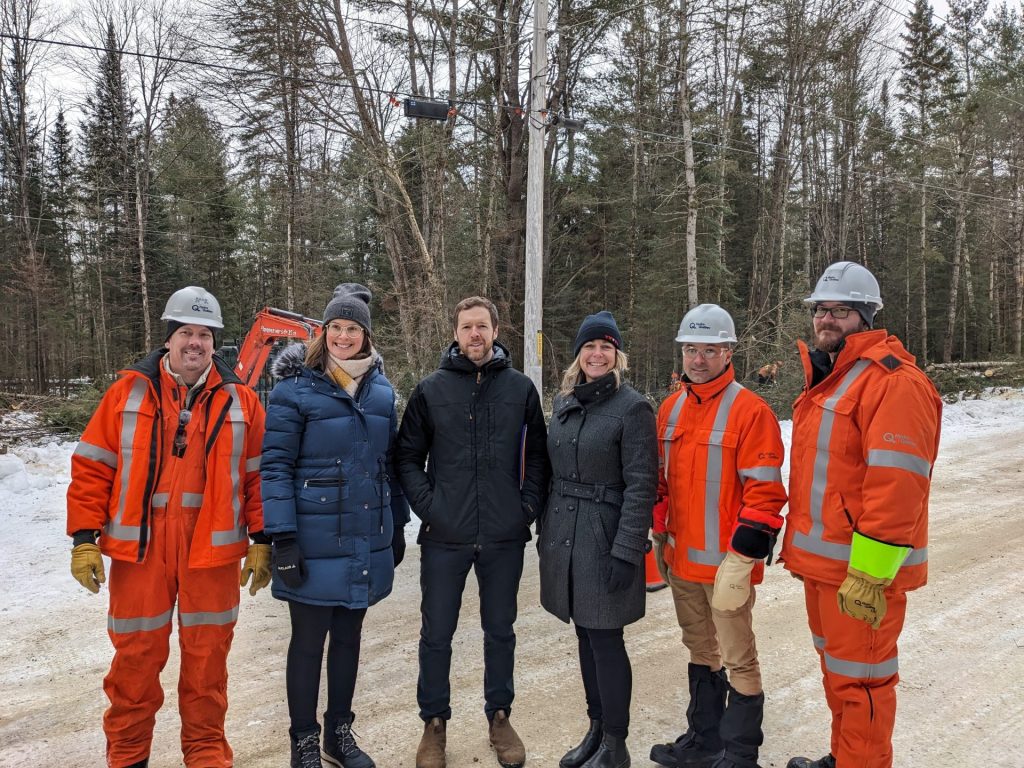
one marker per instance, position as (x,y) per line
(430,753)
(506,742)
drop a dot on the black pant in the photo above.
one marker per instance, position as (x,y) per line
(607,678)
(443,574)
(310,626)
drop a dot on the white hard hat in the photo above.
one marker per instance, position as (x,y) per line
(848,282)
(193,306)
(707,324)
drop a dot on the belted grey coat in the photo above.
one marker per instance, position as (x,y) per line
(602,443)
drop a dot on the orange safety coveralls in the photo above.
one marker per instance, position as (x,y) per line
(175,528)
(864,443)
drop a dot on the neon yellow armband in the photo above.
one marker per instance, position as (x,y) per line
(876,558)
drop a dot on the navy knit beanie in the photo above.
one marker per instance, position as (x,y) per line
(351,302)
(598,326)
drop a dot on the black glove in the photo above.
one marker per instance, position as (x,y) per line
(753,539)
(620,575)
(289,566)
(398,544)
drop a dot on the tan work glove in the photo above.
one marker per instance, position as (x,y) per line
(732,582)
(862,597)
(87,566)
(257,565)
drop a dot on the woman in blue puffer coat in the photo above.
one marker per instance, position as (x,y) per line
(335,511)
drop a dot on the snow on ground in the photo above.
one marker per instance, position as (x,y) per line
(53,650)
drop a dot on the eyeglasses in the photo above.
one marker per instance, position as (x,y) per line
(184,417)
(348,330)
(708,353)
(839,313)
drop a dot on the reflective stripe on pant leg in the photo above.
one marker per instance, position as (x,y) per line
(739,647)
(693,612)
(208,610)
(812,600)
(861,668)
(139,626)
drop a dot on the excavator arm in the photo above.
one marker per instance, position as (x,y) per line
(269,326)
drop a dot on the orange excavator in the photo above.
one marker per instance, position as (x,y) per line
(268,327)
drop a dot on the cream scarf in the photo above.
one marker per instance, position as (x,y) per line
(348,373)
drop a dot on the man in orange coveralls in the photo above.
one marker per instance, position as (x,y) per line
(720,495)
(165,482)
(865,437)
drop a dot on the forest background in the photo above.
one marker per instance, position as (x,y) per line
(731,150)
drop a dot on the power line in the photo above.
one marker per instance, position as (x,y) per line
(464,102)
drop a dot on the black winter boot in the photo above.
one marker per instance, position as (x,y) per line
(611,753)
(340,748)
(583,751)
(741,730)
(805,762)
(140,764)
(701,745)
(306,749)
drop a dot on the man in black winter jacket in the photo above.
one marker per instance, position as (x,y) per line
(480,423)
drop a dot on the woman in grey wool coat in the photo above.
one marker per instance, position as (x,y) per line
(592,539)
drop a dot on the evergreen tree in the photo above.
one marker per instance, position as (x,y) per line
(200,207)
(927,67)
(107,185)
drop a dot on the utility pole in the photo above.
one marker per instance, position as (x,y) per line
(536,116)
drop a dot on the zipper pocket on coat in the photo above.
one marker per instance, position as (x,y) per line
(322,482)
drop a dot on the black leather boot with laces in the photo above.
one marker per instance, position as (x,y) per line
(340,748)
(306,750)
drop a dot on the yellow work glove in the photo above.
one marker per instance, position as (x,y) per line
(732,582)
(257,565)
(87,566)
(862,597)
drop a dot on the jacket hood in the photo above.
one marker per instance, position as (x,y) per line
(292,361)
(453,359)
(875,345)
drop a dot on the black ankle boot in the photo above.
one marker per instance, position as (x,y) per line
(583,751)
(805,762)
(340,748)
(611,754)
(306,749)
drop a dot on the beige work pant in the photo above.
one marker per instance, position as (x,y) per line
(714,638)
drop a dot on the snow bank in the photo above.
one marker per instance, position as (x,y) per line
(29,469)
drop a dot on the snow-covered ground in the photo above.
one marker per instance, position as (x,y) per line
(961,699)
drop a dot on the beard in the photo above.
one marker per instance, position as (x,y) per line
(478,354)
(829,340)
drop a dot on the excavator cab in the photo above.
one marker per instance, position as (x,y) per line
(269,327)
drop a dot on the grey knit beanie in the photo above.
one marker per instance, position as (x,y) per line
(351,302)
(865,310)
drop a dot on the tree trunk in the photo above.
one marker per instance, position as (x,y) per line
(1017,219)
(923,247)
(140,231)
(954,280)
(634,234)
(688,161)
